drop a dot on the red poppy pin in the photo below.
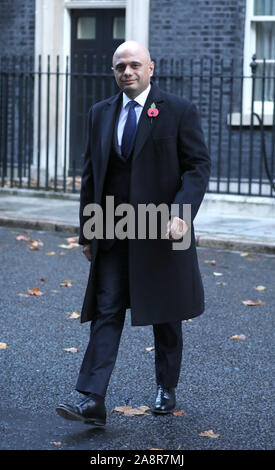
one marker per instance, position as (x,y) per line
(152,112)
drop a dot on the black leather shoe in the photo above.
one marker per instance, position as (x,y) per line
(90,411)
(165,400)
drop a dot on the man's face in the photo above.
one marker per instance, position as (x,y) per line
(132,70)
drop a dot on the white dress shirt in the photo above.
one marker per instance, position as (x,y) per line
(140,99)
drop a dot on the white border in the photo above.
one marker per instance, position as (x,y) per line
(249,50)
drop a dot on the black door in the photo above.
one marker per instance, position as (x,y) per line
(96,33)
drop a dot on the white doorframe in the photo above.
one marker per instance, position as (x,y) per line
(53,37)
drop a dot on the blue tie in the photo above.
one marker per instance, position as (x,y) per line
(129,130)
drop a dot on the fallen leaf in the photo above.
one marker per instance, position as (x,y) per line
(179,447)
(251,259)
(71,350)
(134,412)
(42,280)
(144,408)
(55,291)
(70,246)
(66,283)
(217,274)
(35,291)
(72,239)
(122,408)
(155,448)
(56,443)
(209,433)
(190,319)
(35,244)
(50,253)
(252,302)
(74,315)
(210,261)
(130,411)
(3,346)
(241,337)
(23,238)
(151,348)
(24,295)
(179,413)
(246,254)
(260,288)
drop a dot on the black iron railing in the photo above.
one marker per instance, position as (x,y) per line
(44,104)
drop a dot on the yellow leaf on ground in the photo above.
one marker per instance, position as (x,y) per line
(3,346)
(209,433)
(252,302)
(246,254)
(122,408)
(130,411)
(217,274)
(71,350)
(35,291)
(240,337)
(133,412)
(35,244)
(56,443)
(50,253)
(72,239)
(210,261)
(22,238)
(66,283)
(144,408)
(260,288)
(74,315)
(151,348)
(70,246)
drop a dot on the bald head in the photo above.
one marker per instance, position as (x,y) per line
(133,47)
(132,67)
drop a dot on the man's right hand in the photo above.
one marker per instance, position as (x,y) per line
(87,252)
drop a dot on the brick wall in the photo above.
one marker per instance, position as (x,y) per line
(17,18)
(209,30)
(201,28)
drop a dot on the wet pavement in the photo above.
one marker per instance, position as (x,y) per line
(225,384)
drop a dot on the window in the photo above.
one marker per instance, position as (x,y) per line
(119,27)
(260,40)
(86,28)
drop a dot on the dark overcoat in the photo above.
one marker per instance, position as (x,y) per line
(170,164)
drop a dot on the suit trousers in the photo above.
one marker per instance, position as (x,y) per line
(112,292)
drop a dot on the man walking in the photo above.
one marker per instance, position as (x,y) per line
(144,146)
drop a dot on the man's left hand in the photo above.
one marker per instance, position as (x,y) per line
(176,228)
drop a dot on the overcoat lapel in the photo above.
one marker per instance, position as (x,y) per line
(108,124)
(145,125)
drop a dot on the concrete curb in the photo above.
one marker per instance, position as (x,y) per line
(34,224)
(233,242)
(203,239)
